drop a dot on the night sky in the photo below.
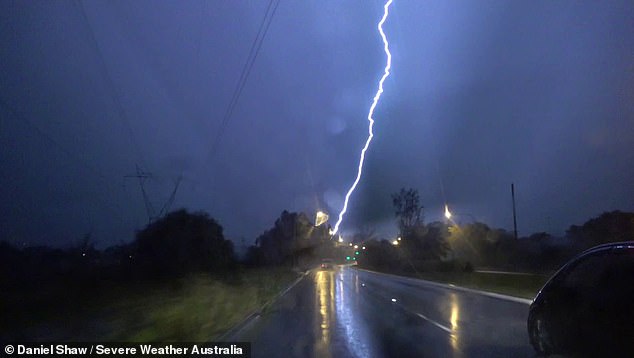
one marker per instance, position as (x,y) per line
(482,94)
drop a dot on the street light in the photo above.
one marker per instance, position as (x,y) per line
(449,215)
(320,218)
(356,246)
(395,242)
(363,248)
(340,238)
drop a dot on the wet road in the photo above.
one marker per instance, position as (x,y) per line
(352,313)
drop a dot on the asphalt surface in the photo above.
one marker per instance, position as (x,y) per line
(353,313)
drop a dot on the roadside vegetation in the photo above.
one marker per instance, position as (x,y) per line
(450,252)
(179,280)
(191,308)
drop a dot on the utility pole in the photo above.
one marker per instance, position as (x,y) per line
(514,214)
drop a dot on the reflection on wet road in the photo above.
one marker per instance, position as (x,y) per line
(326,297)
(353,313)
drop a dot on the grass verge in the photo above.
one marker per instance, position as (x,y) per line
(194,308)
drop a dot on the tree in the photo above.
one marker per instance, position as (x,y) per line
(182,242)
(470,242)
(254,256)
(425,242)
(292,235)
(407,209)
(611,226)
(380,255)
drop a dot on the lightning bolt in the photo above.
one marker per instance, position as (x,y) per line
(370,114)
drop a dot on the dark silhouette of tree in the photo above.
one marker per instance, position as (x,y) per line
(11,264)
(481,245)
(425,242)
(380,255)
(407,208)
(183,242)
(540,237)
(293,235)
(611,226)
(277,243)
(419,242)
(254,256)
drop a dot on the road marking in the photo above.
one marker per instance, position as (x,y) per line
(444,328)
(454,287)
(508,273)
(406,309)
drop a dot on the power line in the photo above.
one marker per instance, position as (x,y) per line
(110,83)
(151,212)
(246,70)
(143,176)
(170,201)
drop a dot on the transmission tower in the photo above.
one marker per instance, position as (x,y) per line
(142,177)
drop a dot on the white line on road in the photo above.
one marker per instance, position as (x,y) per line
(507,273)
(403,307)
(454,287)
(444,328)
(406,309)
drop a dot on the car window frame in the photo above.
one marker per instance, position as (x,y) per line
(560,277)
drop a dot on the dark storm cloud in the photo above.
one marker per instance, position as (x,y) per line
(536,94)
(481,95)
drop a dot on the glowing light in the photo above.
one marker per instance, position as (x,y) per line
(393,299)
(325,288)
(320,218)
(363,248)
(370,113)
(454,315)
(454,320)
(447,212)
(340,239)
(356,246)
(395,242)
(398,238)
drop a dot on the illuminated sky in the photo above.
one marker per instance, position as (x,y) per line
(481,95)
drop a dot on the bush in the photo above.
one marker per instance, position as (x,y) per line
(181,243)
